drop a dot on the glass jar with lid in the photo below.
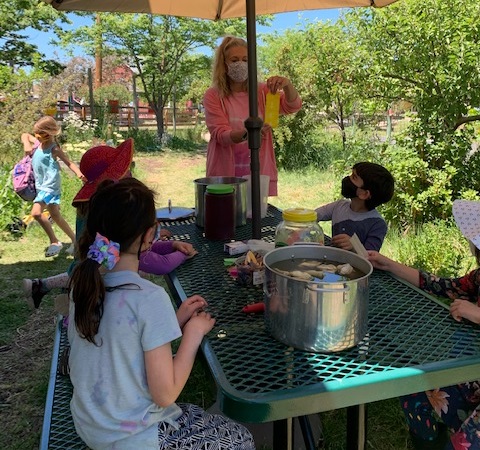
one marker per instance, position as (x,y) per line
(298,225)
(220,212)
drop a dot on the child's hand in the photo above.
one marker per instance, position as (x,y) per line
(464,309)
(378,261)
(190,308)
(185,248)
(342,241)
(201,323)
(165,234)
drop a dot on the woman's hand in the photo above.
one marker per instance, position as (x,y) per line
(266,128)
(190,308)
(276,83)
(464,309)
(185,248)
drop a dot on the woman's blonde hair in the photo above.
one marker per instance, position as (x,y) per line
(220,79)
(47,125)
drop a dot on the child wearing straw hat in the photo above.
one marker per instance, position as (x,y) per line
(101,163)
(457,407)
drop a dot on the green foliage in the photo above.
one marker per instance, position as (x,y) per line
(161,49)
(18,15)
(437,247)
(300,143)
(11,205)
(74,129)
(114,91)
(145,140)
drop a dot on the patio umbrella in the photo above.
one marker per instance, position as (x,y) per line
(224,9)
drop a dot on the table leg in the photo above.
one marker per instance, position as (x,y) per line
(283,434)
(356,427)
(307,433)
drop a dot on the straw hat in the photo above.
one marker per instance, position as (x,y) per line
(103,163)
(467,217)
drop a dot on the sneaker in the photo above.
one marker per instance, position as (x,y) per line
(33,292)
(70,249)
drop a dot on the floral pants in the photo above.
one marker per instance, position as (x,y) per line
(452,405)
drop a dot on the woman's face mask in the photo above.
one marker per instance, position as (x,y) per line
(238,71)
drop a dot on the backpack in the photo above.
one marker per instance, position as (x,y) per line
(23,179)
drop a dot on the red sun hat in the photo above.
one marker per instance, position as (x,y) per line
(103,163)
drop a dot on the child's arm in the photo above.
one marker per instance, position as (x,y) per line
(59,153)
(28,142)
(381,262)
(166,376)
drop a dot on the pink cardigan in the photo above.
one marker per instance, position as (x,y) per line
(223,115)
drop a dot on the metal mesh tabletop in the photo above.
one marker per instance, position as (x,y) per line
(412,342)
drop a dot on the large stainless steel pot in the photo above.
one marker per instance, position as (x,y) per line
(316,316)
(240,185)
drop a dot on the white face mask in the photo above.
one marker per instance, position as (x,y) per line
(238,71)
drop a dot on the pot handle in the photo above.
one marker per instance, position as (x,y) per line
(311,287)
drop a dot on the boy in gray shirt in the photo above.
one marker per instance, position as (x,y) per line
(369,186)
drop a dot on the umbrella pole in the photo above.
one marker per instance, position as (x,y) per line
(254,123)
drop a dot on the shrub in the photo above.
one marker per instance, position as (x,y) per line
(436,247)
(301,141)
(145,140)
(75,129)
(11,205)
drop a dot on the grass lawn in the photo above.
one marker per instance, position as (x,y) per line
(26,337)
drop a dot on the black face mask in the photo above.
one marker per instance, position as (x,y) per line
(349,190)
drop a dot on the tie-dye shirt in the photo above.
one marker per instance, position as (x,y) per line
(111,405)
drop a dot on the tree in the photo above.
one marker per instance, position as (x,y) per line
(18,15)
(159,48)
(427,53)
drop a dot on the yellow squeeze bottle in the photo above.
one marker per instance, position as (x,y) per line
(272,108)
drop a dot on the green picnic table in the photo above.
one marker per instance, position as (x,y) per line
(412,345)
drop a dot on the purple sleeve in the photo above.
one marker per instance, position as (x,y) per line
(161,258)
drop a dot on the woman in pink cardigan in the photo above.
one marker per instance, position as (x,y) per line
(226,108)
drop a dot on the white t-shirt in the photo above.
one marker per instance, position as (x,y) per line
(111,405)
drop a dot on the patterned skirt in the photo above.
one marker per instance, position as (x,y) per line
(199,430)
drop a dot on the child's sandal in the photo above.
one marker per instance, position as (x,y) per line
(54,249)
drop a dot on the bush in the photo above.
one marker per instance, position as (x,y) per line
(145,140)
(12,206)
(437,247)
(301,142)
(75,129)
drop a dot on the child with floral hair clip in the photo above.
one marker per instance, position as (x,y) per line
(125,378)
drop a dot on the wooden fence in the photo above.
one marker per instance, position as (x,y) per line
(127,116)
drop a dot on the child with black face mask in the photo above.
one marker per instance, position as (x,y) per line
(369,186)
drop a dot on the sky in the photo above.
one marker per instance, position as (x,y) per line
(280,23)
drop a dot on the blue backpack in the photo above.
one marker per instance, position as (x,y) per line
(23,179)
